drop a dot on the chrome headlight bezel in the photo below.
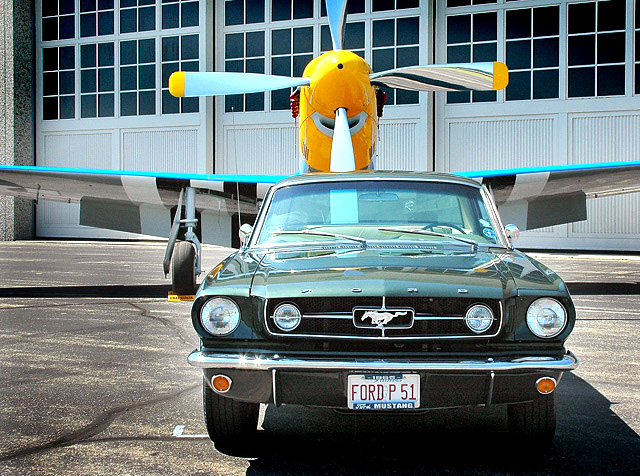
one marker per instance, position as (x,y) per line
(285,322)
(220,316)
(476,313)
(544,308)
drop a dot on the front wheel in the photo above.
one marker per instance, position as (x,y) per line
(534,421)
(183,268)
(229,422)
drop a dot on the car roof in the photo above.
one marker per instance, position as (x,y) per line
(365,175)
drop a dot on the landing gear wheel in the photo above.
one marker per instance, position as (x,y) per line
(534,421)
(183,270)
(230,423)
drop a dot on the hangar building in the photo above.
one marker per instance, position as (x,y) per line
(84,84)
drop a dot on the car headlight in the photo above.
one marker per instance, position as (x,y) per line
(479,318)
(220,316)
(546,317)
(287,317)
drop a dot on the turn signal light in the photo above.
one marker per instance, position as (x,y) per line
(546,385)
(221,383)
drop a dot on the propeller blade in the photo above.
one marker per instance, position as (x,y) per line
(342,156)
(337,13)
(190,84)
(488,76)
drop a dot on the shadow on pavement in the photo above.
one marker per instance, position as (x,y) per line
(591,439)
(105,291)
(604,289)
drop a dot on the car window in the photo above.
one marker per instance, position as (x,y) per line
(360,207)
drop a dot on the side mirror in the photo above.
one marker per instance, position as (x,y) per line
(513,233)
(245,233)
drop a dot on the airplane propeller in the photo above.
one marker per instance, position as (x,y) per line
(486,76)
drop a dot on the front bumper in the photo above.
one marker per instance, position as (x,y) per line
(270,378)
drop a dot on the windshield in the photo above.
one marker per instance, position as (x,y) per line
(377,210)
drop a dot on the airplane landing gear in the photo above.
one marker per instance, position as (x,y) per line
(182,258)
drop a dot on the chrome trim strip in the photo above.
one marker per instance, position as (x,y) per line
(273,383)
(490,397)
(258,362)
(397,338)
(418,317)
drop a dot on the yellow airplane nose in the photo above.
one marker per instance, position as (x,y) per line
(339,78)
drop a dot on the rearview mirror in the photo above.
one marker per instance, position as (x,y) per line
(513,233)
(245,233)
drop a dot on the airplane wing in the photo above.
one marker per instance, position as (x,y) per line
(142,202)
(544,196)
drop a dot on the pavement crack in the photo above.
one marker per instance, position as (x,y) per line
(165,322)
(97,426)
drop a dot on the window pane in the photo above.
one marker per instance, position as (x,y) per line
(87,56)
(459,54)
(638,79)
(458,3)
(255,11)
(611,80)
(519,23)
(582,50)
(546,21)
(280,100)
(87,5)
(581,82)
(383,5)
(167,70)
(147,19)
(519,54)
(128,21)
(171,48)
(457,97)
(50,108)
(105,105)
(190,47)
(280,10)
(300,62)
(255,102)
(519,87)
(325,38)
(407,97)
(281,66)
(408,31)
(67,58)
(50,59)
(88,81)
(459,29)
(235,66)
(611,15)
(49,33)
(302,9)
(105,54)
(383,59)
(234,45)
(234,103)
(67,107)
(255,66)
(67,29)
(105,4)
(128,78)
(484,27)
(281,41)
(190,104)
(255,43)
(485,52)
(171,15)
(582,17)
(545,53)
(407,4)
(88,106)
(105,23)
(407,57)
(88,26)
(170,104)
(354,36)
(611,48)
(234,12)
(190,66)
(105,79)
(545,84)
(50,84)
(147,103)
(303,40)
(147,51)
(190,12)
(148,77)
(49,8)
(484,96)
(383,33)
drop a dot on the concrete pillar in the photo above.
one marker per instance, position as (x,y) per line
(17,35)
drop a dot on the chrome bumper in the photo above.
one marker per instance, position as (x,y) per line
(208,360)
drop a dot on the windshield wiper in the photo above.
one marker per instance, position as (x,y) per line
(362,241)
(418,231)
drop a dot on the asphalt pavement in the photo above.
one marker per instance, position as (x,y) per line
(94,381)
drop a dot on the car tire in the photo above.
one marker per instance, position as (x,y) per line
(183,275)
(534,421)
(229,422)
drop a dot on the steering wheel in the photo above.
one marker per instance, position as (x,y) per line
(431,226)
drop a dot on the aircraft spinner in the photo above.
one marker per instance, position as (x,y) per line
(339,98)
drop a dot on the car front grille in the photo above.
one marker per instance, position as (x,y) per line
(435,317)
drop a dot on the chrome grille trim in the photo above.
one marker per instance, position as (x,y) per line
(418,317)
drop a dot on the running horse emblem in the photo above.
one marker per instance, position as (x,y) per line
(380,319)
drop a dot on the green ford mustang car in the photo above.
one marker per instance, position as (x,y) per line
(383,292)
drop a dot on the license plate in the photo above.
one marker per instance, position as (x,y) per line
(383,392)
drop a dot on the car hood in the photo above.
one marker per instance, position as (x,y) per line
(380,272)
